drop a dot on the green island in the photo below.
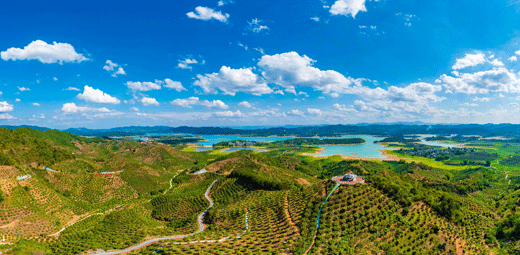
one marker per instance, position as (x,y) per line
(66,194)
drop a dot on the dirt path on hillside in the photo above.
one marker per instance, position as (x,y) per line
(202,227)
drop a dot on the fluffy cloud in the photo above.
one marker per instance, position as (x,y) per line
(229,114)
(144,86)
(114,68)
(23,89)
(189,102)
(73,108)
(147,86)
(35,104)
(245,104)
(295,113)
(494,80)
(5,116)
(186,63)
(173,85)
(186,103)
(482,99)
(135,109)
(45,53)
(230,81)
(348,7)
(146,101)
(414,92)
(255,26)
(268,113)
(387,108)
(214,104)
(6,107)
(512,59)
(97,96)
(343,108)
(290,69)
(496,62)
(314,111)
(206,13)
(469,60)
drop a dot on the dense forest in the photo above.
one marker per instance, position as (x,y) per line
(391,129)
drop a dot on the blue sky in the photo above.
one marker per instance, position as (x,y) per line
(97,64)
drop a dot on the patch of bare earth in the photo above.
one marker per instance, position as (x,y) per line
(303,181)
(215,167)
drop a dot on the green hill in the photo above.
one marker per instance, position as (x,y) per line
(64,194)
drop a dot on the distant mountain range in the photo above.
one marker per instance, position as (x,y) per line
(385,129)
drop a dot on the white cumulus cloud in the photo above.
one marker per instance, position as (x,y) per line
(114,68)
(147,101)
(97,96)
(6,107)
(229,114)
(348,7)
(314,111)
(245,104)
(494,80)
(45,53)
(144,86)
(35,104)
(295,113)
(5,116)
(73,108)
(230,81)
(187,63)
(176,85)
(206,13)
(469,60)
(23,89)
(290,69)
(189,102)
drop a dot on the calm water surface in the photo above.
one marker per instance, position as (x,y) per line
(366,150)
(437,143)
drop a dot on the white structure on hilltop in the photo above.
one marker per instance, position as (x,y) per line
(349,177)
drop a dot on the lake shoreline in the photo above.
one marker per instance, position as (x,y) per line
(387,156)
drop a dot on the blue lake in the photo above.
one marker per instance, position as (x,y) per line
(437,143)
(209,140)
(232,149)
(366,150)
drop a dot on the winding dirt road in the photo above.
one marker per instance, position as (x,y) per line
(84,218)
(151,241)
